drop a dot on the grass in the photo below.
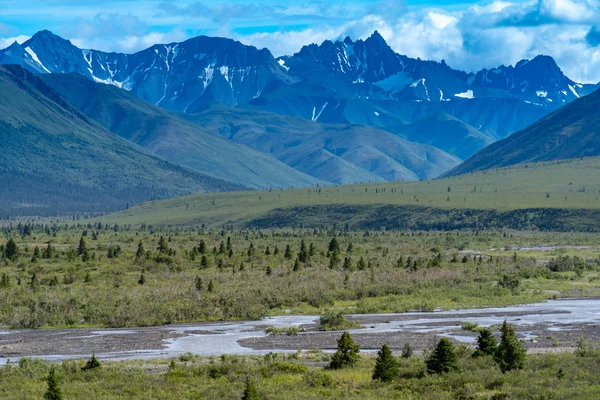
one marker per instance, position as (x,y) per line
(562,185)
(301,376)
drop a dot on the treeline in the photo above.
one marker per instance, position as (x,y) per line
(390,217)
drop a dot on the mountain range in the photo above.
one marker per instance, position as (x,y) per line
(361,82)
(343,111)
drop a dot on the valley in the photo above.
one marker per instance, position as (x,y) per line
(203,219)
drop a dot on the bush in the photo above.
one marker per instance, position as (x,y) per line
(469,326)
(335,321)
(318,379)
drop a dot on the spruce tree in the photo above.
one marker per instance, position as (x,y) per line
(11,250)
(202,247)
(142,279)
(163,245)
(303,254)
(346,354)
(288,252)
(386,366)
(211,286)
(81,249)
(53,392)
(510,354)
(334,246)
(250,392)
(92,363)
(198,283)
(486,344)
(443,358)
(141,252)
(204,261)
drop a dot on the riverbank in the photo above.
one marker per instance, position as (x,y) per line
(551,326)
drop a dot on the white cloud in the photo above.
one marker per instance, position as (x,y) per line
(130,43)
(5,42)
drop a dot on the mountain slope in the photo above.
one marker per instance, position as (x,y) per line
(450,134)
(341,153)
(56,161)
(572,131)
(173,137)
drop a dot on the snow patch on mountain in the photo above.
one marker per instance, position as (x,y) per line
(282,64)
(572,89)
(466,95)
(35,58)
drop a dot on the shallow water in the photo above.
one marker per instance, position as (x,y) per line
(213,339)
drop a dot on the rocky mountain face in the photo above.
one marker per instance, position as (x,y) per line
(177,76)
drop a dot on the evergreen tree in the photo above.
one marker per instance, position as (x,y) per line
(141,252)
(296,266)
(81,249)
(276,250)
(288,252)
(36,254)
(250,392)
(311,250)
(443,358)
(361,264)
(11,250)
(53,392)
(142,279)
(334,246)
(229,246)
(303,254)
(48,252)
(92,363)
(486,344)
(346,354)
(204,261)
(386,366)
(348,263)
(269,270)
(202,247)
(163,245)
(211,286)
(510,354)
(251,250)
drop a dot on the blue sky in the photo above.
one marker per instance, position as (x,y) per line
(467,34)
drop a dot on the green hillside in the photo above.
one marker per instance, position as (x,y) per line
(558,195)
(56,161)
(173,137)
